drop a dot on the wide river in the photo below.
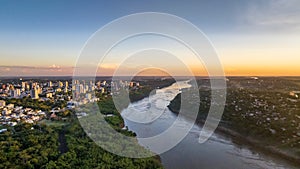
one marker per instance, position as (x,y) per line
(151,116)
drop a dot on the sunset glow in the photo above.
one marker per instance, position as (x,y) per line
(254,40)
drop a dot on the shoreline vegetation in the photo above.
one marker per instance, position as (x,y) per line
(237,118)
(241,139)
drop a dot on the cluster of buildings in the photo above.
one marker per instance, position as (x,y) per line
(54,91)
(33,89)
(41,91)
(84,90)
(273,109)
(82,87)
(11,115)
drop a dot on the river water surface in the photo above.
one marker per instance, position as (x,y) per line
(219,152)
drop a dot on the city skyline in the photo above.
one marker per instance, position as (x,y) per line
(255,38)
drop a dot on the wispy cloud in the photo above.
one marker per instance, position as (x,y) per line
(274,14)
(7,70)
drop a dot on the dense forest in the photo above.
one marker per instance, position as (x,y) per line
(37,146)
(40,146)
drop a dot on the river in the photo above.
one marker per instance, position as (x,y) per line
(219,152)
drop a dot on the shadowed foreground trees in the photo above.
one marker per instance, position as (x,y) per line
(39,148)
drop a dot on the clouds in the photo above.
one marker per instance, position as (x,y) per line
(34,70)
(281,15)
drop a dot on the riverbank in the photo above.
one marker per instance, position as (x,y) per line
(256,144)
(219,152)
(242,139)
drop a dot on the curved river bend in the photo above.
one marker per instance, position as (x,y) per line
(218,152)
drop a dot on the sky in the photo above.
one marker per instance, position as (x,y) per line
(257,37)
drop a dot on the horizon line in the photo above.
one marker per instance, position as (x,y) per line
(29,76)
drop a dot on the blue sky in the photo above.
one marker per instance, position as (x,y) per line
(50,34)
(57,15)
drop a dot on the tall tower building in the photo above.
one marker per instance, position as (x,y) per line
(27,87)
(15,93)
(60,84)
(23,85)
(34,93)
(66,90)
(50,84)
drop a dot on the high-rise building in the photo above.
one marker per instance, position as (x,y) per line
(23,85)
(34,85)
(86,88)
(75,82)
(102,90)
(15,93)
(40,90)
(80,88)
(98,84)
(50,84)
(12,93)
(27,87)
(88,96)
(11,87)
(66,90)
(60,84)
(34,93)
